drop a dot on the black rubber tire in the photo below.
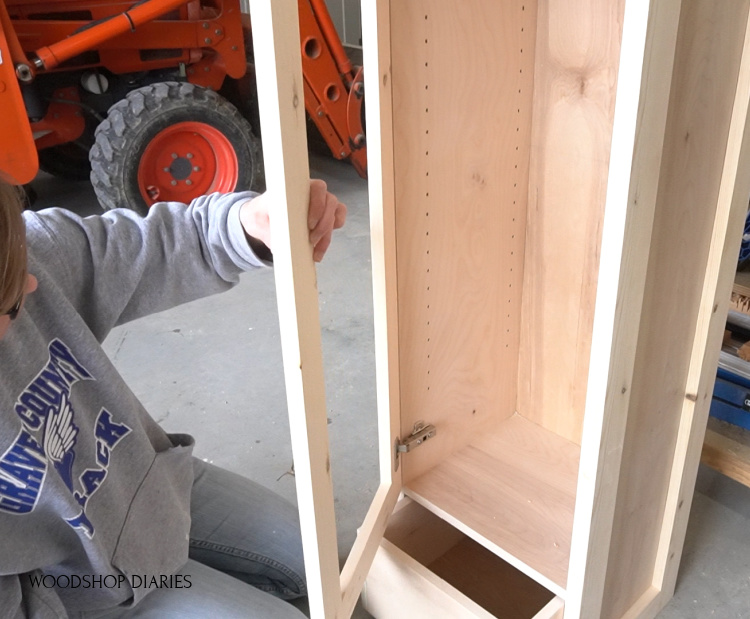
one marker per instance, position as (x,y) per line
(135,120)
(69,161)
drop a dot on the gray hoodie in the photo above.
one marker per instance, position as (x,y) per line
(92,490)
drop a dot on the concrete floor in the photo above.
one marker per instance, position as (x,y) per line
(212,368)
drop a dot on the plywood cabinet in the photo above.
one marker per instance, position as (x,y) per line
(557,190)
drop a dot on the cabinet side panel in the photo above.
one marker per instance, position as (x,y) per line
(462,82)
(576,62)
(709,47)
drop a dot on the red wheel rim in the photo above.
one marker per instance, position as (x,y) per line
(187,160)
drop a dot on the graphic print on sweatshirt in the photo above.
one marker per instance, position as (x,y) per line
(50,435)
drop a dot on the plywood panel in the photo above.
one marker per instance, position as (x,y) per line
(513,491)
(728,456)
(462,568)
(709,45)
(578,45)
(490,582)
(462,83)
(399,587)
(647,55)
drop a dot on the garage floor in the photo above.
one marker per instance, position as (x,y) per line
(212,368)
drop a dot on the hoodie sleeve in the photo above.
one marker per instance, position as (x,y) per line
(20,600)
(120,266)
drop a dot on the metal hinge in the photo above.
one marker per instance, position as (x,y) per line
(419,435)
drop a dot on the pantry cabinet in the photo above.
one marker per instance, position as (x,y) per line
(557,190)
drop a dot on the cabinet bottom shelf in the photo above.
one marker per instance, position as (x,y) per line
(513,491)
(424,567)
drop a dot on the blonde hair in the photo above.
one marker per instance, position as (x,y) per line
(12,245)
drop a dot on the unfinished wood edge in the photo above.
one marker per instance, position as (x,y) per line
(648,605)
(365,546)
(554,609)
(281,96)
(414,586)
(740,300)
(727,456)
(647,54)
(381,189)
(724,246)
(512,560)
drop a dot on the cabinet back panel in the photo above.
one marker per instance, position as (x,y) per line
(577,57)
(709,47)
(462,88)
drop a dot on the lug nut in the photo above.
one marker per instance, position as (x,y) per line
(189,155)
(188,182)
(174,155)
(174,183)
(196,169)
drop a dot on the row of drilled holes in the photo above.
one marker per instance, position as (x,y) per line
(427,195)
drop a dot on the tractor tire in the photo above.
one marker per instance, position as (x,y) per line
(69,161)
(172,141)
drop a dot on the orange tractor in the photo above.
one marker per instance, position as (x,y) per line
(156,100)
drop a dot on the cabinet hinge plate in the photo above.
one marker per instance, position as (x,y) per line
(419,435)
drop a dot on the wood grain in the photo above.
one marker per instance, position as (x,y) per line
(578,45)
(462,85)
(399,587)
(513,491)
(282,113)
(377,59)
(727,456)
(450,568)
(703,85)
(725,236)
(376,36)
(490,582)
(740,300)
(648,45)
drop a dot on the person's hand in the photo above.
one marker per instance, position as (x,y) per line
(324,215)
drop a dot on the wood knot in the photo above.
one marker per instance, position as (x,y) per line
(478,179)
(692,397)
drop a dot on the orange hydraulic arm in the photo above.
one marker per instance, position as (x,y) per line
(332,38)
(52,55)
(334,94)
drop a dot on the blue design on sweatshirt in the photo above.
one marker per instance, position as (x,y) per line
(49,435)
(108,434)
(59,438)
(22,470)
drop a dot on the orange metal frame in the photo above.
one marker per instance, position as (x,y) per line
(183,30)
(204,35)
(19,164)
(333,92)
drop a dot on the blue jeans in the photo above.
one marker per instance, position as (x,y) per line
(245,555)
